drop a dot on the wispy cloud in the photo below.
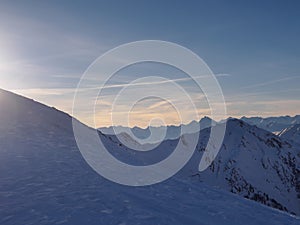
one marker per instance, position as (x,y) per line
(156,82)
(223,75)
(261,94)
(159,104)
(270,82)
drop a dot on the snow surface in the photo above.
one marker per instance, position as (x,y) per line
(292,133)
(44,180)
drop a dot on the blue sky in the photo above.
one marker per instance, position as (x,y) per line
(252,46)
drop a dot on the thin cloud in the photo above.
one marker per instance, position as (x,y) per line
(270,82)
(158,82)
(223,75)
(159,104)
(262,93)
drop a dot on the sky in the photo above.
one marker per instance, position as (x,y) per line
(251,46)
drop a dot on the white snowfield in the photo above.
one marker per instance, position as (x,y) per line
(45,180)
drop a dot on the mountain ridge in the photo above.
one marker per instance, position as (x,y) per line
(273,124)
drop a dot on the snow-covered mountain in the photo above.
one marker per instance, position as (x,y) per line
(44,180)
(169,132)
(292,133)
(273,124)
(255,164)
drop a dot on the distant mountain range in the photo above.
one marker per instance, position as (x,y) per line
(168,132)
(273,124)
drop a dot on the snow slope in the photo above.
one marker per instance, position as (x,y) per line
(292,133)
(44,181)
